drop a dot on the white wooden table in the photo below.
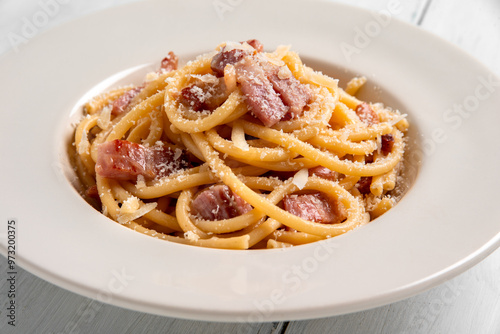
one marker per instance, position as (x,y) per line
(469,303)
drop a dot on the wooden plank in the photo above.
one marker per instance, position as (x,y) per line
(453,307)
(474,26)
(48,309)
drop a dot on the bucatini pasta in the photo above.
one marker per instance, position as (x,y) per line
(239,149)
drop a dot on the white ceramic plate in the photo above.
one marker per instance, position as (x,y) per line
(447,222)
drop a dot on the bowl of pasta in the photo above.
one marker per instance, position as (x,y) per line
(247,174)
(240,149)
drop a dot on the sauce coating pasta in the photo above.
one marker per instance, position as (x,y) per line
(239,149)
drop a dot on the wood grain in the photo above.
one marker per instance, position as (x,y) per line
(469,303)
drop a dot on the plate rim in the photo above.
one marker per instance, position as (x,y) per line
(444,274)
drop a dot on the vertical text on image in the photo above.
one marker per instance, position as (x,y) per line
(11,271)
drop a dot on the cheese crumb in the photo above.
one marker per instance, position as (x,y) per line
(141,181)
(284,73)
(130,205)
(152,76)
(125,217)
(206,78)
(105,119)
(191,236)
(300,178)
(396,120)
(84,145)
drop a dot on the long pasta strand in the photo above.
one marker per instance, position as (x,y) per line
(229,146)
